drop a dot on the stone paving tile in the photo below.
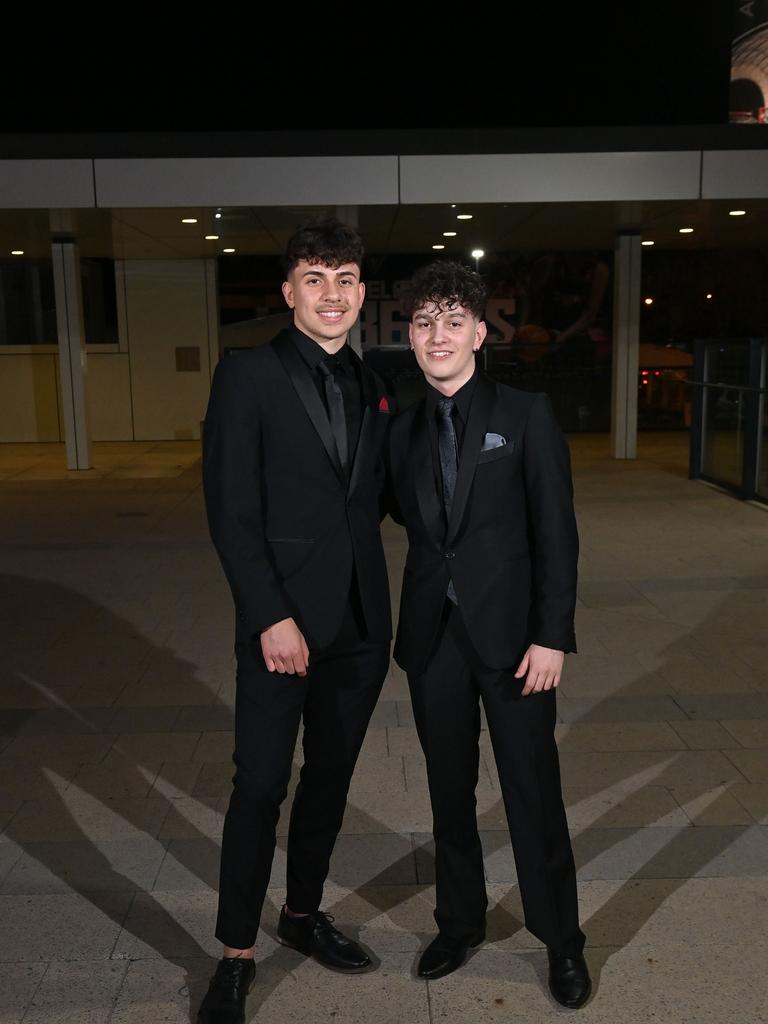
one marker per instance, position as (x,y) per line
(753,764)
(662,768)
(169,925)
(650,805)
(27,782)
(204,719)
(85,928)
(748,733)
(721,707)
(599,737)
(715,806)
(193,817)
(56,750)
(77,815)
(619,709)
(18,984)
(125,865)
(703,735)
(162,990)
(154,748)
(76,993)
(753,797)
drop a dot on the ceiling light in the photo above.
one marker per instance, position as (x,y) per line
(449,234)
(463,216)
(477,254)
(217,216)
(189,220)
(736,213)
(708,295)
(227,250)
(648,242)
(453,206)
(686,231)
(17,252)
(438,246)
(648,301)
(211,238)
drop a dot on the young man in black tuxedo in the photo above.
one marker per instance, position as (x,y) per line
(479,474)
(292,476)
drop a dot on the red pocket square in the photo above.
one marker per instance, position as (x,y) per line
(384,405)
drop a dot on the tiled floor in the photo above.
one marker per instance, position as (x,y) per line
(115,738)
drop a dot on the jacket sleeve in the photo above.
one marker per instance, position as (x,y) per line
(552,528)
(232,484)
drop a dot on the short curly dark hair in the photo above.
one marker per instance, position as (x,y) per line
(327,241)
(445,284)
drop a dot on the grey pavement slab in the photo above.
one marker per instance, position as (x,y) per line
(124,865)
(169,925)
(76,993)
(753,764)
(754,798)
(703,735)
(619,709)
(724,706)
(78,815)
(204,719)
(18,984)
(705,768)
(85,928)
(748,732)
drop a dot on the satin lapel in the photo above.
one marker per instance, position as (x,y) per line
(301,378)
(479,415)
(368,422)
(420,458)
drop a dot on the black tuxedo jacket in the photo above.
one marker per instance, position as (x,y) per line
(288,524)
(511,546)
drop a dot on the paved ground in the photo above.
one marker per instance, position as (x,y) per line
(115,738)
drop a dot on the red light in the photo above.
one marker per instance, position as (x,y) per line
(657,373)
(644,373)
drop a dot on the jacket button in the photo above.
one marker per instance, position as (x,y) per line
(450,554)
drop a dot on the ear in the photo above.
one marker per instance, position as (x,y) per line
(361,286)
(410,334)
(288,293)
(480,332)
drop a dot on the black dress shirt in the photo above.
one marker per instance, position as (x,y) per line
(345,373)
(462,400)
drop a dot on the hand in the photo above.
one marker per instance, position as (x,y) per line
(544,666)
(284,648)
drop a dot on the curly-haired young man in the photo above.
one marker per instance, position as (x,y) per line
(291,473)
(479,474)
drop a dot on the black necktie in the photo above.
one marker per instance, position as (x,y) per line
(334,400)
(449,463)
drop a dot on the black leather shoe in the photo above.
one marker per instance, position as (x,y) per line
(224,1001)
(443,955)
(314,935)
(569,980)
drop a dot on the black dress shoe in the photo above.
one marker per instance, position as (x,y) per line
(224,1001)
(444,955)
(569,980)
(315,936)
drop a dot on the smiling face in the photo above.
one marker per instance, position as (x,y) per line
(325,301)
(445,339)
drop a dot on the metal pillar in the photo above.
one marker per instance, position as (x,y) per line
(72,362)
(626,346)
(348,214)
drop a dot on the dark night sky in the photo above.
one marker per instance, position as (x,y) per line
(595,64)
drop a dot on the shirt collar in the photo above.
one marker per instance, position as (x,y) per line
(313,354)
(462,398)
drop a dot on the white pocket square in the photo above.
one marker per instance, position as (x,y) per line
(493,441)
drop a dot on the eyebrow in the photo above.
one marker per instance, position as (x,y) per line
(325,273)
(446,313)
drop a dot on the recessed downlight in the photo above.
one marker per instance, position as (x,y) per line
(438,246)
(647,241)
(685,231)
(17,252)
(736,213)
(227,250)
(211,238)
(449,234)
(463,216)
(189,220)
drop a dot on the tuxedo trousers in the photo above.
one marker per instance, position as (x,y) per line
(446,703)
(334,701)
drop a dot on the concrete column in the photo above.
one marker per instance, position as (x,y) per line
(348,214)
(626,346)
(72,363)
